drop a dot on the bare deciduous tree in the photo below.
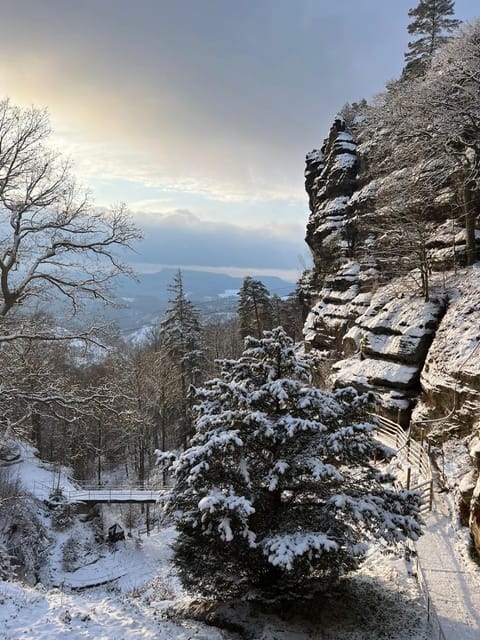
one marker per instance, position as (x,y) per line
(52,241)
(435,120)
(54,245)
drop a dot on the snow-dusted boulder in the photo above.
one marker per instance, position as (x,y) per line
(466,490)
(474,520)
(474,451)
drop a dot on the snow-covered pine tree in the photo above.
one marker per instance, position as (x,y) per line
(254,308)
(431,23)
(182,343)
(276,496)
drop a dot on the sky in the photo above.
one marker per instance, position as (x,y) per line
(198,113)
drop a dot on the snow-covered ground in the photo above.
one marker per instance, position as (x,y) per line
(381,601)
(130,607)
(138,595)
(447,566)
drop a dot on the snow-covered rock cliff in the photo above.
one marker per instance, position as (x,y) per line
(420,358)
(383,334)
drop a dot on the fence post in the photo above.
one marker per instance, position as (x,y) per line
(430,496)
(409,473)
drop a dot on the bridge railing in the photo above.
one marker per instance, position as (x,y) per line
(411,455)
(112,494)
(92,486)
(105,493)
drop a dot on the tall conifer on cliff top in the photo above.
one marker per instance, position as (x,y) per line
(431,24)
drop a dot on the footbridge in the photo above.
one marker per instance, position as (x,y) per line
(113,494)
(97,494)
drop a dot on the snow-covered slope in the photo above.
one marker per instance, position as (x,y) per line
(142,598)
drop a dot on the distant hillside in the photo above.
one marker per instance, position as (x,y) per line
(145,299)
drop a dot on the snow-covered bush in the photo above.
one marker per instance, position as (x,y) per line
(276,496)
(5,563)
(63,516)
(71,552)
(24,535)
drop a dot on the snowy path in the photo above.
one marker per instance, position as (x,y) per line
(453,586)
(451,582)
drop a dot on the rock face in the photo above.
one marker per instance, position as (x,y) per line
(420,359)
(340,302)
(470,493)
(381,333)
(387,345)
(384,332)
(330,180)
(450,377)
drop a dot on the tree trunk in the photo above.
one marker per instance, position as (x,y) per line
(141,460)
(469,211)
(257,318)
(99,452)
(37,431)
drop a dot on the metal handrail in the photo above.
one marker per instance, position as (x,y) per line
(416,452)
(410,452)
(112,492)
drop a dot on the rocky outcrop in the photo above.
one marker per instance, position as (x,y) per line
(330,180)
(450,378)
(420,359)
(341,301)
(469,489)
(380,330)
(385,333)
(387,345)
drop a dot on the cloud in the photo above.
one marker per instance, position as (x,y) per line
(116,162)
(180,238)
(216,98)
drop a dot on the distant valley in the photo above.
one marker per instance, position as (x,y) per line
(143,300)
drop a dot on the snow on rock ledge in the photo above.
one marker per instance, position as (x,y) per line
(387,345)
(396,326)
(340,302)
(450,379)
(370,372)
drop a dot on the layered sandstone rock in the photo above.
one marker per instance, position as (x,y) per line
(415,356)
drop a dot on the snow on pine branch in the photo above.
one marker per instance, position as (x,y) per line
(283,550)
